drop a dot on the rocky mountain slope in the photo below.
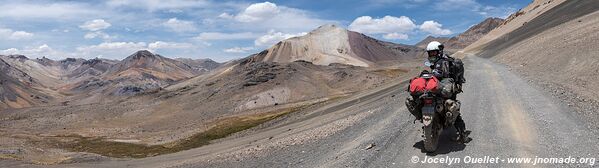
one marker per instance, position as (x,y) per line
(553,44)
(473,33)
(331,44)
(90,68)
(18,89)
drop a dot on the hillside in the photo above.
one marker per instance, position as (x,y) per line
(555,49)
(331,44)
(18,89)
(473,34)
(141,71)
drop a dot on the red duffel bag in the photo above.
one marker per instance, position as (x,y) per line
(419,85)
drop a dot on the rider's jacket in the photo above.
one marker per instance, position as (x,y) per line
(440,68)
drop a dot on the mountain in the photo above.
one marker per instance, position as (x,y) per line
(80,81)
(17,88)
(428,39)
(69,64)
(473,33)
(466,38)
(203,65)
(142,71)
(90,68)
(146,63)
(331,44)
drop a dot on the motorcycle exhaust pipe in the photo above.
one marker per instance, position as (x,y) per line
(452,106)
(439,108)
(449,115)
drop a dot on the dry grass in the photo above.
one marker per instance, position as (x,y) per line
(221,129)
(10,156)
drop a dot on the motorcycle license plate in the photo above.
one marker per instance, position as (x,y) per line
(427,114)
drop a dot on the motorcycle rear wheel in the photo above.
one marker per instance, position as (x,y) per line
(431,135)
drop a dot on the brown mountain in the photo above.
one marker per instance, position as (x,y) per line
(80,81)
(141,71)
(428,39)
(92,67)
(18,89)
(153,64)
(473,33)
(331,44)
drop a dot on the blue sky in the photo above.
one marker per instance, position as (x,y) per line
(221,30)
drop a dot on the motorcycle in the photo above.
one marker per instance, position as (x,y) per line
(434,108)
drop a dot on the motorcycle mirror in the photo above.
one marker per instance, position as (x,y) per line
(427,63)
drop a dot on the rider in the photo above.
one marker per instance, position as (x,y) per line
(443,67)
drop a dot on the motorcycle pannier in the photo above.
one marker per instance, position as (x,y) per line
(419,85)
(447,88)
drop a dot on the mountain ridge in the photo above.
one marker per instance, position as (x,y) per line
(348,47)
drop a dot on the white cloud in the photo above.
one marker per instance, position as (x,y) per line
(114,45)
(10,51)
(55,11)
(226,36)
(95,25)
(395,36)
(395,28)
(226,15)
(168,45)
(98,34)
(266,15)
(119,50)
(434,28)
(387,24)
(14,35)
(474,6)
(239,49)
(179,25)
(111,50)
(492,11)
(35,52)
(273,37)
(258,12)
(21,35)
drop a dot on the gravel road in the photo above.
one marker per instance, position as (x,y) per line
(508,118)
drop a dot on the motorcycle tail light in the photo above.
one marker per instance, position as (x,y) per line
(428,101)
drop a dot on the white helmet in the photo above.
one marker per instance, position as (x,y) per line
(433,45)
